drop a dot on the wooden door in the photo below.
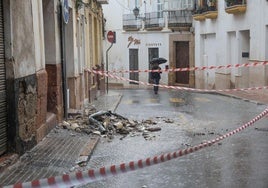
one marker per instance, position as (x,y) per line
(133,65)
(182,61)
(152,53)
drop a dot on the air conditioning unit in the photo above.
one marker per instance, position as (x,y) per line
(103,1)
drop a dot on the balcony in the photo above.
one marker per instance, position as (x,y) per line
(154,21)
(179,19)
(103,1)
(235,6)
(198,15)
(131,23)
(206,10)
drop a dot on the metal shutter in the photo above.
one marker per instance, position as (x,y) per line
(3,105)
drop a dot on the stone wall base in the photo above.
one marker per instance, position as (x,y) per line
(44,129)
(54,93)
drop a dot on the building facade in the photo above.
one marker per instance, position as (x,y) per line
(231,32)
(150,29)
(46,47)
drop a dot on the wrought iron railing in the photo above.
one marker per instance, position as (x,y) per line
(130,22)
(158,20)
(230,3)
(206,6)
(179,18)
(154,20)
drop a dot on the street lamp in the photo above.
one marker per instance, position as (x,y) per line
(136,12)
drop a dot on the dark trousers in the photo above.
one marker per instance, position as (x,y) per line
(156,82)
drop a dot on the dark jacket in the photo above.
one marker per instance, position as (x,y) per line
(156,75)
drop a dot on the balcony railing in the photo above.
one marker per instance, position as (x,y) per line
(131,23)
(206,10)
(198,14)
(154,21)
(175,20)
(235,6)
(179,19)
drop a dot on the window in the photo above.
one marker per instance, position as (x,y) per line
(187,4)
(160,7)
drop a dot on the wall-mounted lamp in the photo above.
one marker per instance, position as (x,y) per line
(136,12)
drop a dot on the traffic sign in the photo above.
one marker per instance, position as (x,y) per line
(111,36)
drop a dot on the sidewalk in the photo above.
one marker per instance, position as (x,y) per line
(58,153)
(61,149)
(255,96)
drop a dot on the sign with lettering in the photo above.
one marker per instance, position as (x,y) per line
(133,41)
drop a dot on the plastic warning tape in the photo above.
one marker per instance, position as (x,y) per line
(92,175)
(193,68)
(175,87)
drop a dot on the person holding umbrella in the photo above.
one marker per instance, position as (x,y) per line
(156,76)
(156,71)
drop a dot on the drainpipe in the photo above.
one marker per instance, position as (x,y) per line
(63,62)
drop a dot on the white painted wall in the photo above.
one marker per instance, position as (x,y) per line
(227,47)
(22,47)
(118,56)
(51,32)
(38,28)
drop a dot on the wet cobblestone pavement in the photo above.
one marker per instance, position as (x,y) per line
(235,162)
(185,119)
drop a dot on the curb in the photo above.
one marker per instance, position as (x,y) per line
(88,149)
(241,98)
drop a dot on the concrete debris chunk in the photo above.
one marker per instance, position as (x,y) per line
(153,129)
(107,124)
(168,121)
(81,160)
(96,132)
(119,125)
(66,125)
(74,126)
(149,121)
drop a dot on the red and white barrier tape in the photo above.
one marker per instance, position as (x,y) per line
(80,178)
(193,68)
(175,87)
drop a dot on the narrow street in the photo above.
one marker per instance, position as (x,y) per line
(187,119)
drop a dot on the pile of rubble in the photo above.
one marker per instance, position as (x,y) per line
(108,124)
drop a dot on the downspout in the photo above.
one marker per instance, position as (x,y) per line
(63,62)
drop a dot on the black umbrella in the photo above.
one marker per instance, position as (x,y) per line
(159,60)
